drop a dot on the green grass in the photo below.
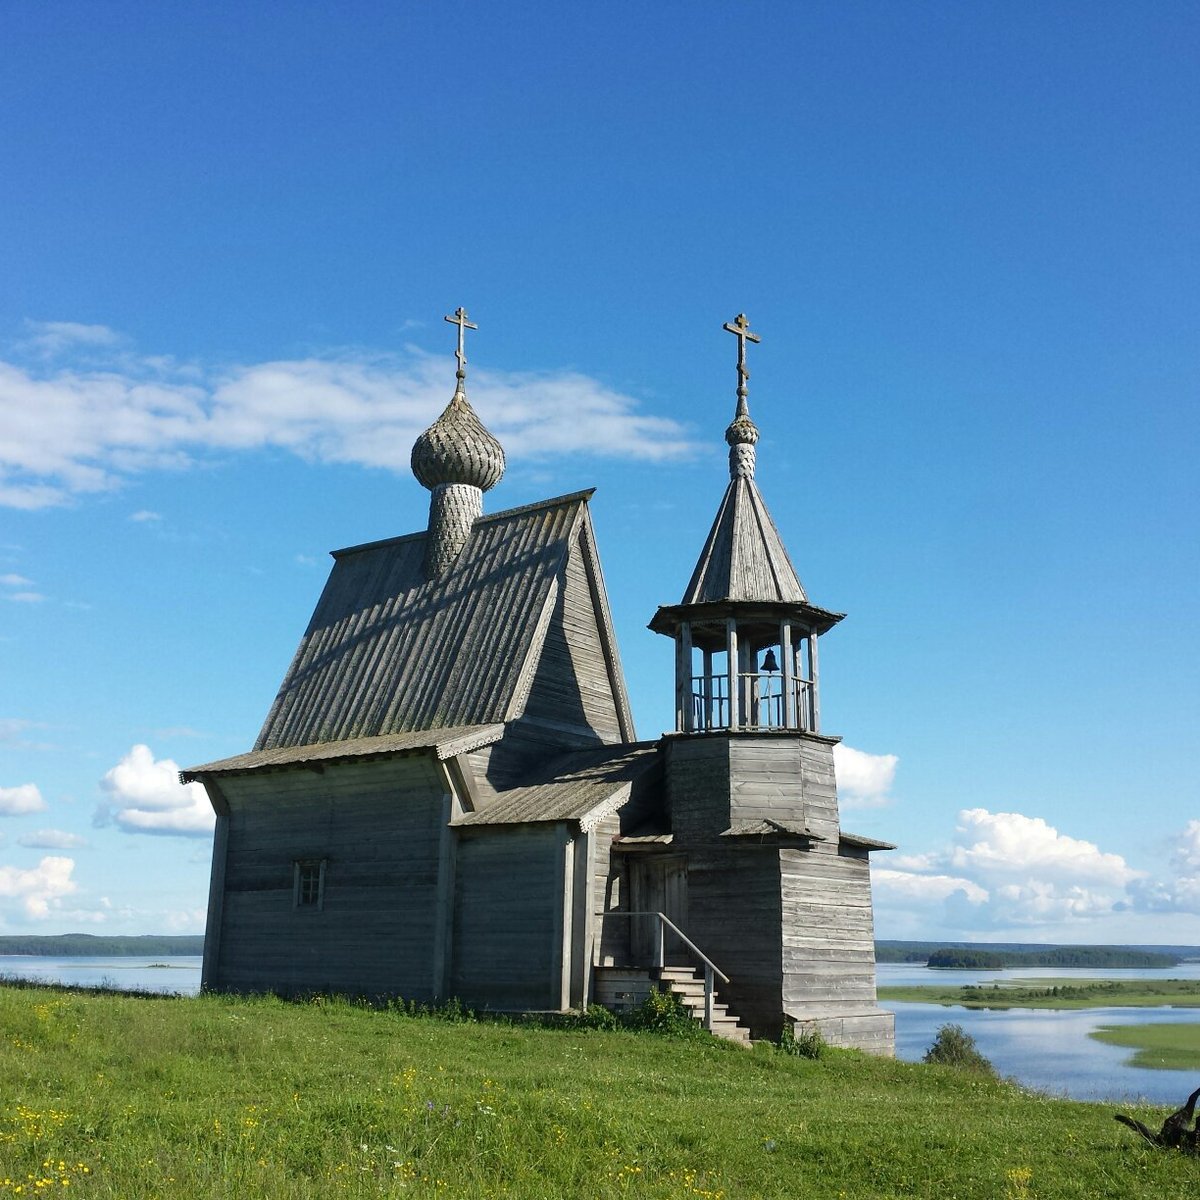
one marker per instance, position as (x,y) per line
(1167,1047)
(1055,993)
(216,1097)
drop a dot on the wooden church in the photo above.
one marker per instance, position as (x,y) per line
(448,799)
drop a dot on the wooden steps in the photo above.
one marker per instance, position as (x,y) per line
(624,988)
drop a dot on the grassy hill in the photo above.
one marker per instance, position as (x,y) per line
(217,1097)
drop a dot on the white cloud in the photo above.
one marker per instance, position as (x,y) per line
(179,731)
(192,920)
(1001,845)
(147,797)
(144,514)
(68,428)
(13,730)
(19,800)
(1004,871)
(51,839)
(15,581)
(25,597)
(1178,891)
(50,338)
(864,780)
(1187,850)
(39,889)
(908,886)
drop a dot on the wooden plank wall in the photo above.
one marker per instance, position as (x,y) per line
(829,942)
(612,936)
(698,785)
(734,917)
(510,899)
(788,779)
(377,826)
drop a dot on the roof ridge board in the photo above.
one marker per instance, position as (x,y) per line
(512,643)
(527,672)
(527,643)
(584,495)
(585,537)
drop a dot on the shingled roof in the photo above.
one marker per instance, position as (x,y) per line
(389,650)
(582,786)
(744,557)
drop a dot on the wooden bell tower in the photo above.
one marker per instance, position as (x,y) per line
(775,888)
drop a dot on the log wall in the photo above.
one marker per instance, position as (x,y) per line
(512,903)
(377,827)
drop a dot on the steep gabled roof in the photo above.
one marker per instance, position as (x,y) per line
(390,651)
(744,557)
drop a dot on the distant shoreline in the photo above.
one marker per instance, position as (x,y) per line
(997,955)
(1055,993)
(88,945)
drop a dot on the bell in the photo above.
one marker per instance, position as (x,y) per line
(769,663)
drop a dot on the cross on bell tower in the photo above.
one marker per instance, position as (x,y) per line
(740,328)
(460,319)
(745,633)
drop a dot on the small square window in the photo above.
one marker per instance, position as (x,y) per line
(309,883)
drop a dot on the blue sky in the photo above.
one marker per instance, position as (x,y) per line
(965,233)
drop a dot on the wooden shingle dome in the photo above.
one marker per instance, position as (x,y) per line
(457,448)
(458,460)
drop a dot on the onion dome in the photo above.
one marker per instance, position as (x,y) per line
(457,448)
(741,436)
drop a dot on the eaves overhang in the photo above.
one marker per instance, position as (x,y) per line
(445,744)
(670,617)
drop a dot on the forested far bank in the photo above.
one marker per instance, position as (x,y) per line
(996,956)
(971,955)
(88,945)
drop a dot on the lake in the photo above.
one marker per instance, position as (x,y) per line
(175,973)
(1043,1049)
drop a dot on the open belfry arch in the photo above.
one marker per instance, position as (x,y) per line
(447,797)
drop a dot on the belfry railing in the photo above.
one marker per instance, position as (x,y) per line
(762,702)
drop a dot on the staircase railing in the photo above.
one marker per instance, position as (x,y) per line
(711,971)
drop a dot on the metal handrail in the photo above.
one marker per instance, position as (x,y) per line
(710,968)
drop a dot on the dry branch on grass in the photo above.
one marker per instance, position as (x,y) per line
(1177,1132)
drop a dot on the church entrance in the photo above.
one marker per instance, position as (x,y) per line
(658,884)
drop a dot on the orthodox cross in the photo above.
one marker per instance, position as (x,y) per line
(740,328)
(460,319)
